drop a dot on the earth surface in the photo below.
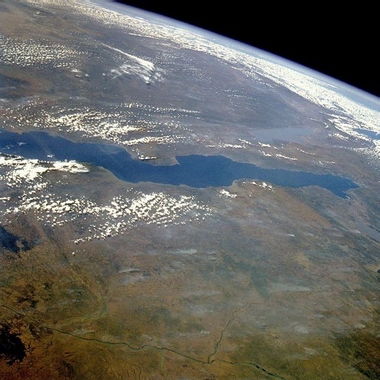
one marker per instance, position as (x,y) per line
(176,205)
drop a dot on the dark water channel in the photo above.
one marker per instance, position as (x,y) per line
(193,170)
(371,134)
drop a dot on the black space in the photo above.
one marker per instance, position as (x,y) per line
(341,42)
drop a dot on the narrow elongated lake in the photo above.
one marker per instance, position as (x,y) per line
(193,170)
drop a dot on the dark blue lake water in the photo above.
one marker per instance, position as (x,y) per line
(194,170)
(371,134)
